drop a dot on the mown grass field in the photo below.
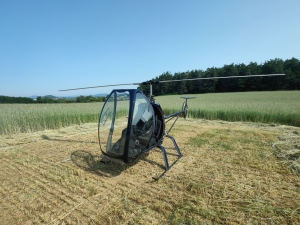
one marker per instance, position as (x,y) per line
(228,175)
(281,107)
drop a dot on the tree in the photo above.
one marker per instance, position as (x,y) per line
(291,81)
(292,71)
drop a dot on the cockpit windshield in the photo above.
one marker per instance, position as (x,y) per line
(121,128)
(113,121)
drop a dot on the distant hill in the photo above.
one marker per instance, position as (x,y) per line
(50,96)
(46,96)
(100,95)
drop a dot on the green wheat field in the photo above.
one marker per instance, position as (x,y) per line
(280,107)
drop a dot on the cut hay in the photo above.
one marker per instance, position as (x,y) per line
(287,148)
(228,174)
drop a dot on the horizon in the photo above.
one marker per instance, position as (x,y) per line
(105,94)
(50,46)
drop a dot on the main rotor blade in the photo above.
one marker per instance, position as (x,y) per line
(110,85)
(212,78)
(166,81)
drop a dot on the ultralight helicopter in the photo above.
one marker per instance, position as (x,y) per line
(131,124)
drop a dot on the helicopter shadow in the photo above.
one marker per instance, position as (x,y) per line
(97,164)
(102,165)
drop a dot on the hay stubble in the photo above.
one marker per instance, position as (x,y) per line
(228,174)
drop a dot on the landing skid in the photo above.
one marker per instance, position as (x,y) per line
(163,151)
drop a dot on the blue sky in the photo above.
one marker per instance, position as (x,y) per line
(50,45)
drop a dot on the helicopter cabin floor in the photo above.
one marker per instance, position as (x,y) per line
(230,173)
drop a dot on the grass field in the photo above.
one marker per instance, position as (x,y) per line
(281,107)
(21,118)
(228,175)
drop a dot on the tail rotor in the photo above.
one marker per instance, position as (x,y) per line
(185,107)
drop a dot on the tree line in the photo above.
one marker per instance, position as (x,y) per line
(7,99)
(291,81)
(47,99)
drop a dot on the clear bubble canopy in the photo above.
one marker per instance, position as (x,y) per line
(126,125)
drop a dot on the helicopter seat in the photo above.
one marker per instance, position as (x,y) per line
(118,147)
(144,131)
(142,124)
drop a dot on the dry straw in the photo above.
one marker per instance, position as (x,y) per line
(228,174)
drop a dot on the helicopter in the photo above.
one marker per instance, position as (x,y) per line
(131,124)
